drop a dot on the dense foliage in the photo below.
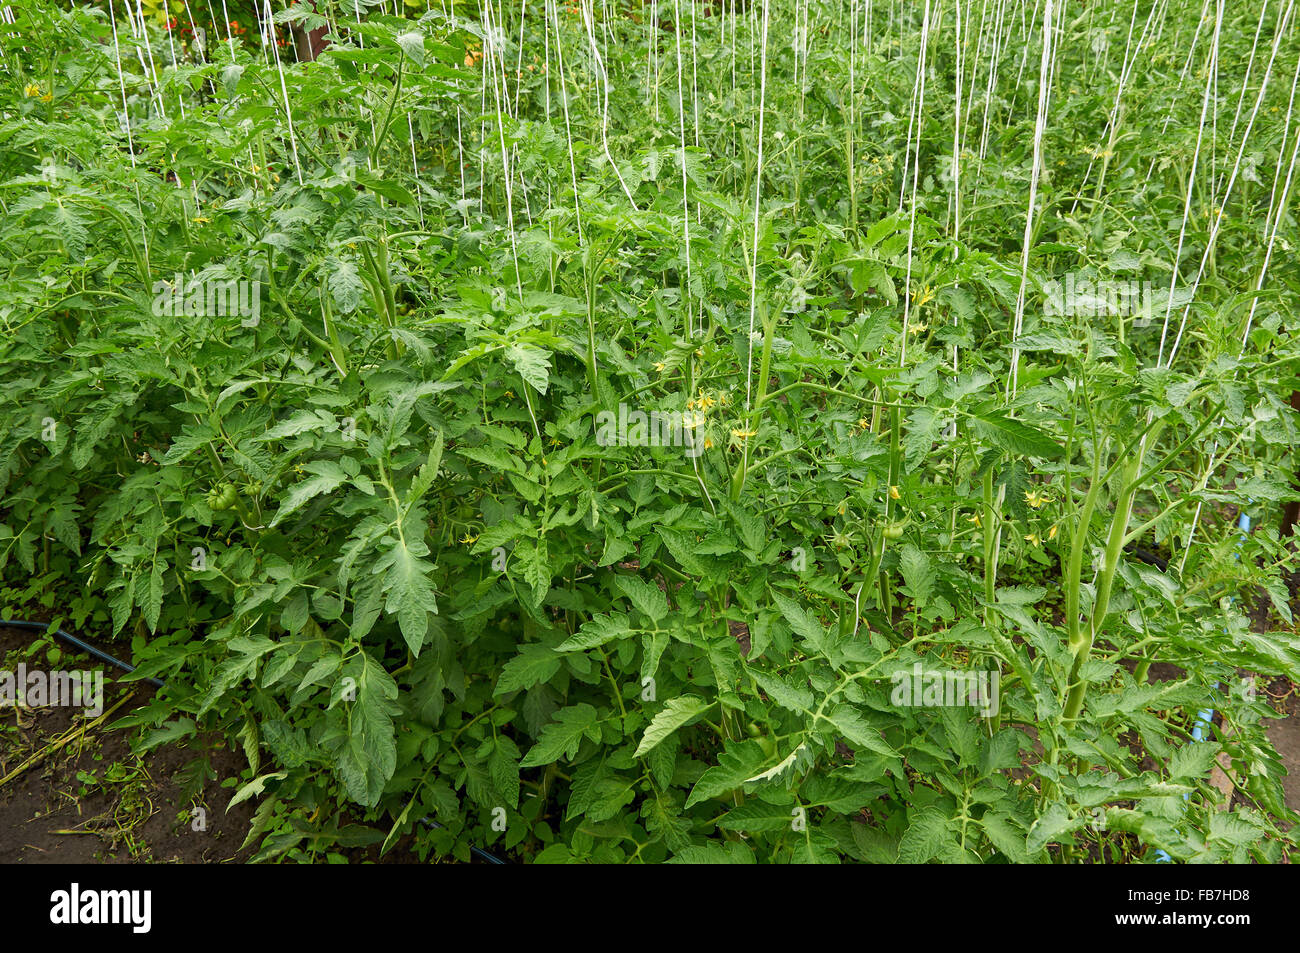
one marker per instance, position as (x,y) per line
(387,525)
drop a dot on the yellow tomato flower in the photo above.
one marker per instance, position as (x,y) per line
(894,494)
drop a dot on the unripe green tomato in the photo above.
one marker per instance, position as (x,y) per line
(753,729)
(894,530)
(222,497)
(768,745)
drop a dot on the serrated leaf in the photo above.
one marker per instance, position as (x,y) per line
(780,767)
(426,475)
(302,422)
(794,698)
(192,438)
(563,736)
(254,788)
(326,477)
(596,632)
(858,731)
(644,595)
(503,765)
(407,590)
(1015,436)
(927,836)
(918,572)
(676,713)
(533,364)
(365,748)
(1193,760)
(535,663)
(1050,826)
(412,44)
(803,622)
(1006,837)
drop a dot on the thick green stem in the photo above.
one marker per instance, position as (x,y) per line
(990,548)
(895,477)
(755,416)
(1081,639)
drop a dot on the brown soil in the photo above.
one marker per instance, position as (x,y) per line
(1281,695)
(93,800)
(1285,735)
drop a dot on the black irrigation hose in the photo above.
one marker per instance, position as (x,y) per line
(73,640)
(1147,557)
(478,852)
(105,657)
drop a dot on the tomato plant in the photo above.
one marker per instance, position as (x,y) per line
(782,432)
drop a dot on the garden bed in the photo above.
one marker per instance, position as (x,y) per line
(787,432)
(94,801)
